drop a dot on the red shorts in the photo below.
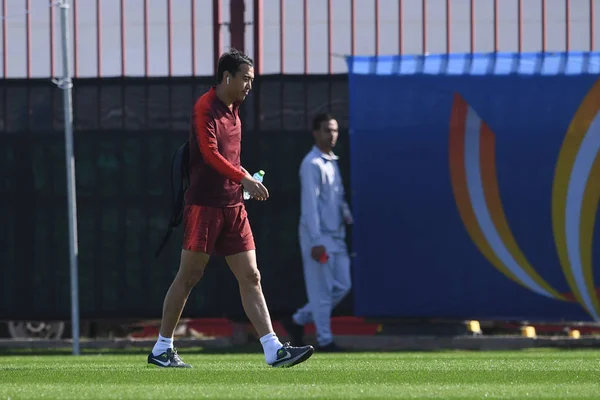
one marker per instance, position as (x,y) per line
(219,231)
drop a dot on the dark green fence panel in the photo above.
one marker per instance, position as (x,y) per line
(126,131)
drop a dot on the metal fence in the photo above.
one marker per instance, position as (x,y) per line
(126,122)
(125,133)
(185,37)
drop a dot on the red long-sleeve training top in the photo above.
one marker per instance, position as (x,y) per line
(215,144)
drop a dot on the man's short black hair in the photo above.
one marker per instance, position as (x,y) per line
(319,119)
(231,62)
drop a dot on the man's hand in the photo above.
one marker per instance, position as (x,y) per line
(347,214)
(348,219)
(317,253)
(256,189)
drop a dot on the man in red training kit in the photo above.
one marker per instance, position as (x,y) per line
(215,219)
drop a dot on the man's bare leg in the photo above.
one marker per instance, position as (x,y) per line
(244,267)
(191,269)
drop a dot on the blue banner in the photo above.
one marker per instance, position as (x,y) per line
(476,181)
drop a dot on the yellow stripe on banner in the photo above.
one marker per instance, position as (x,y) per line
(566,159)
(589,209)
(492,198)
(458,178)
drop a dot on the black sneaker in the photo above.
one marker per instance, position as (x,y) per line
(330,348)
(168,359)
(288,356)
(295,331)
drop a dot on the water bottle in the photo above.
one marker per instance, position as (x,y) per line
(259,177)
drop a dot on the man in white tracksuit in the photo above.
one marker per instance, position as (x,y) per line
(322,232)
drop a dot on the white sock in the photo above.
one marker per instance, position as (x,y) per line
(270,344)
(162,344)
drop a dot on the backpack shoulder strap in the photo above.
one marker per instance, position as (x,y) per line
(180,181)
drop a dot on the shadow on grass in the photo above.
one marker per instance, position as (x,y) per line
(242,349)
(250,348)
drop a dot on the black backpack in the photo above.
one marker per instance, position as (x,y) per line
(180,181)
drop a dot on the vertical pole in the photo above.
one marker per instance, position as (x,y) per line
(258,62)
(237,24)
(376,27)
(28,36)
(146,65)
(282,36)
(520,23)
(330,46)
(330,37)
(170,63)
(123,26)
(52,63)
(305,28)
(98,39)
(258,36)
(66,84)
(496,26)
(193,22)
(448,27)
(424,26)
(472,12)
(282,60)
(400,43)
(592,21)
(28,56)
(305,24)
(353,26)
(568,25)
(4,45)
(123,43)
(4,65)
(98,61)
(52,66)
(146,47)
(75,37)
(544,38)
(217,40)
(170,40)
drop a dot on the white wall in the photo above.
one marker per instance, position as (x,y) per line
(365,42)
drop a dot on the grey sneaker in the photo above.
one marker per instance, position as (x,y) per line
(288,356)
(168,359)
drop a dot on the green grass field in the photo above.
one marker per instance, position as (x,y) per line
(443,375)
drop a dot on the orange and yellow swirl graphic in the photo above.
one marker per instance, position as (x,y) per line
(575,200)
(575,197)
